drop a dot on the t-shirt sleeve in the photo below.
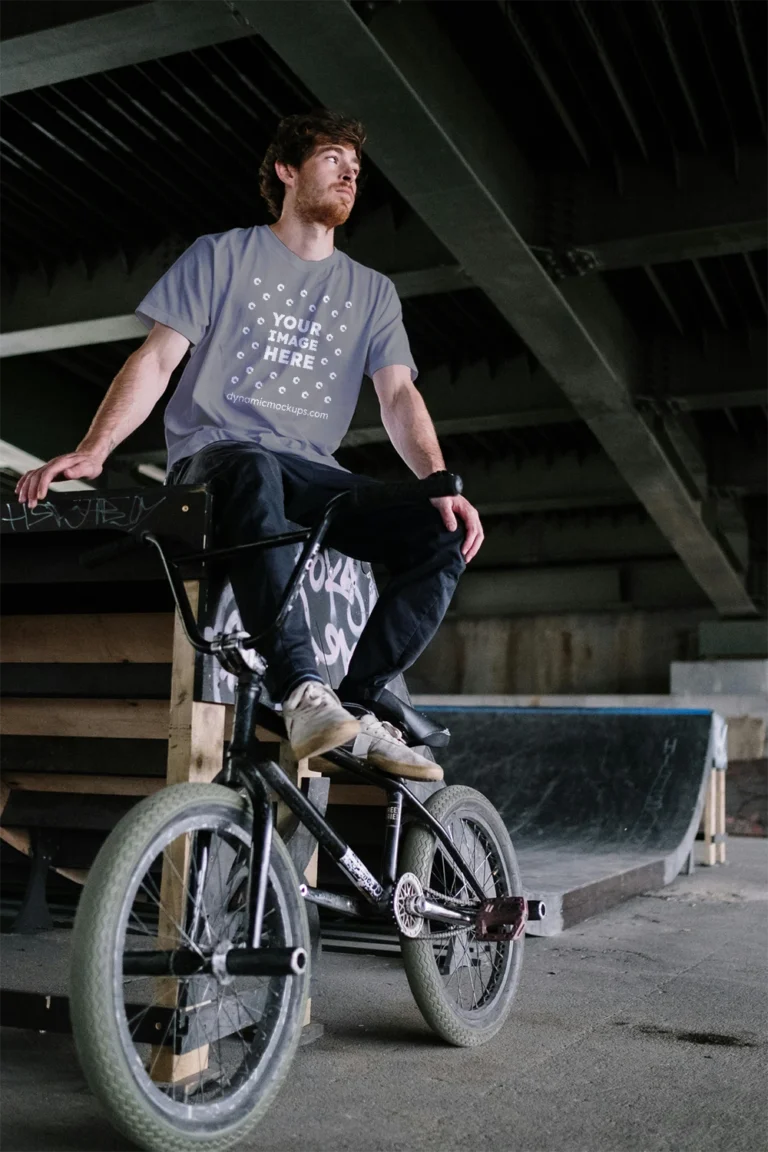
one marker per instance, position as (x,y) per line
(389,340)
(183,297)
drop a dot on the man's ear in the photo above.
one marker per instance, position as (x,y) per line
(286,173)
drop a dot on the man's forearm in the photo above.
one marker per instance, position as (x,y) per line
(410,428)
(131,397)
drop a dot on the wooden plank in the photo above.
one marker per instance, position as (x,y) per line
(94,785)
(80,756)
(116,719)
(362,795)
(720,816)
(86,681)
(709,820)
(66,810)
(195,730)
(101,638)
(20,839)
(195,753)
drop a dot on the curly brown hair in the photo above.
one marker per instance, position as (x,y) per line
(296,139)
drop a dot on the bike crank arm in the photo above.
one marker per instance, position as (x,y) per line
(224,963)
(431,911)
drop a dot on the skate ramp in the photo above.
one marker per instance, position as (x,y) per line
(601,803)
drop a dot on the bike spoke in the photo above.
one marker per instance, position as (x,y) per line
(472,969)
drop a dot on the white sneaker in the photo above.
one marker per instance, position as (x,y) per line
(383,746)
(315,720)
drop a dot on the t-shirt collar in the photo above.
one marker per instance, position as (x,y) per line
(307,267)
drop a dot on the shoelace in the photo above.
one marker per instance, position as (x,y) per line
(383,727)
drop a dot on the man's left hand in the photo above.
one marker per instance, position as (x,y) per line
(453,507)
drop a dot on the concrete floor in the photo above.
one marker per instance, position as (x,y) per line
(642,1030)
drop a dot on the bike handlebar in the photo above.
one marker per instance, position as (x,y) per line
(437,485)
(407,491)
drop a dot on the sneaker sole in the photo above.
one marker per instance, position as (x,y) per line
(327,740)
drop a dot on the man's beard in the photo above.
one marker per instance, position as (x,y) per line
(330,211)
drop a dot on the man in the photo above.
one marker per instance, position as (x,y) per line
(283,328)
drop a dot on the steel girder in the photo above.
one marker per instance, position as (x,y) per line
(95,306)
(708,210)
(128,36)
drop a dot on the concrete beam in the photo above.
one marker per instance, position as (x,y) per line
(706,209)
(459,171)
(83,306)
(128,36)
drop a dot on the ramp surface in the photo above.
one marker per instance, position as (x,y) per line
(600,803)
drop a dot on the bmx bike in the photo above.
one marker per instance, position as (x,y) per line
(191,946)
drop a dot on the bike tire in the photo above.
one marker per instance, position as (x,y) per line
(459,808)
(100,1022)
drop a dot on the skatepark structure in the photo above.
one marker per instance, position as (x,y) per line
(601,803)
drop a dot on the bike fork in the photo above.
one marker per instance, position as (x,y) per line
(258,871)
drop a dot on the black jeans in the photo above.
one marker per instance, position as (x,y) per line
(257,493)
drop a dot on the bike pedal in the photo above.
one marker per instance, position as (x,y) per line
(502,919)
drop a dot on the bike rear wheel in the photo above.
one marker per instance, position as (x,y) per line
(184,1062)
(464,987)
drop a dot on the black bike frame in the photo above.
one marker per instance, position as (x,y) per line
(248,767)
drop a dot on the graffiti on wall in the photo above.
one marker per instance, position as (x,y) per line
(337,598)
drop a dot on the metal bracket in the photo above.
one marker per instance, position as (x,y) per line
(34,914)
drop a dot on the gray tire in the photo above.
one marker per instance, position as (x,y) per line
(151,1115)
(447,978)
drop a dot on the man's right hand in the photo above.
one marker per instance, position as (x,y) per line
(34,485)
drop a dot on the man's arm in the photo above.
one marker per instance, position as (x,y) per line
(409,426)
(131,397)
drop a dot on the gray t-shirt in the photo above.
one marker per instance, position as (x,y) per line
(281,344)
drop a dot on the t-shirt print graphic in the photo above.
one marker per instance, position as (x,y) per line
(291,351)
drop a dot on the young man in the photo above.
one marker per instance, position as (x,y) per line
(283,328)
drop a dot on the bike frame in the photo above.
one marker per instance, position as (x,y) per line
(249,768)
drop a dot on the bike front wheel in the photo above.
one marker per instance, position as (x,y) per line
(184,1062)
(464,986)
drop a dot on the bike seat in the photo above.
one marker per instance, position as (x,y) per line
(417,728)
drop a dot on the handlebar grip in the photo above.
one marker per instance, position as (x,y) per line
(95,557)
(408,491)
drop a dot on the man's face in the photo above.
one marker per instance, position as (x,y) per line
(326,185)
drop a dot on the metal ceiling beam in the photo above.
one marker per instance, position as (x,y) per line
(643,584)
(17,461)
(46,410)
(727,370)
(572,538)
(74,335)
(501,487)
(476,398)
(94,306)
(655,219)
(129,36)
(458,169)
(738,465)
